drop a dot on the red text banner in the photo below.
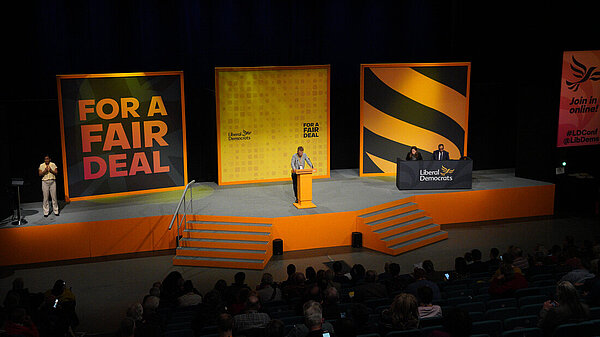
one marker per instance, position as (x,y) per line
(122,133)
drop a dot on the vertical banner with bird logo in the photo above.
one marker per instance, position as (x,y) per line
(404,105)
(578,118)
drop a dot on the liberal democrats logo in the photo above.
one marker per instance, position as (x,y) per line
(436,175)
(445,171)
(581,72)
(242,135)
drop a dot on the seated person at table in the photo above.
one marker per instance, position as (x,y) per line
(440,154)
(414,154)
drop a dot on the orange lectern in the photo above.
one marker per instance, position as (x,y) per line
(304,188)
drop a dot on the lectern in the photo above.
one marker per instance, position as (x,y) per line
(304,188)
(18,182)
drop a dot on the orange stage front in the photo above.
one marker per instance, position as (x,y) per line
(34,244)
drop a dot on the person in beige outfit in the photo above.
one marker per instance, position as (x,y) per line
(48,172)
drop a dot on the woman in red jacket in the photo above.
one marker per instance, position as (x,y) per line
(507,282)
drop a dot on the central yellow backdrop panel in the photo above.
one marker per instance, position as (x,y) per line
(264,114)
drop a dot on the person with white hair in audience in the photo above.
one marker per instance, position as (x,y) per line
(313,322)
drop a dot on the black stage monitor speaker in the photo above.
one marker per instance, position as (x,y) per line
(356,240)
(277,247)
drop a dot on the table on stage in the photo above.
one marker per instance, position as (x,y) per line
(433,174)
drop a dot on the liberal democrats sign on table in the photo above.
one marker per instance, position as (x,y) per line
(434,174)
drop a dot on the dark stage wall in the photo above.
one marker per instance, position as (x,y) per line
(515,53)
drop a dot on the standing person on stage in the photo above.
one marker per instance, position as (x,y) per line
(48,172)
(440,154)
(414,154)
(299,160)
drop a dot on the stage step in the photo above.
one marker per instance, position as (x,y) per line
(400,207)
(419,242)
(211,242)
(398,227)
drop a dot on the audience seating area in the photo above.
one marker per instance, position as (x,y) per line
(349,312)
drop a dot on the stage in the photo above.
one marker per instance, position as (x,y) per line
(246,218)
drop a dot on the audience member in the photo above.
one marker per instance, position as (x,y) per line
(520,261)
(268,290)
(579,274)
(507,260)
(251,318)
(290,270)
(477,266)
(239,304)
(190,296)
(403,314)
(345,327)
(432,274)
(461,271)
(219,290)
(507,282)
(357,274)
(295,288)
(51,319)
(396,282)
(426,308)
(313,318)
(311,275)
(362,323)
(494,262)
(233,291)
(152,322)
(171,289)
(312,292)
(313,321)
(127,327)
(456,322)
(65,302)
(468,258)
(339,275)
(18,295)
(421,281)
(386,273)
(20,324)
(566,309)
(592,288)
(225,325)
(154,291)
(330,305)
(136,312)
(327,281)
(370,289)
(210,309)
(275,328)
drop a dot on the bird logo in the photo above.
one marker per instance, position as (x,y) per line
(446,171)
(581,72)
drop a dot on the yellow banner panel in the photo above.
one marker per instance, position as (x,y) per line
(264,114)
